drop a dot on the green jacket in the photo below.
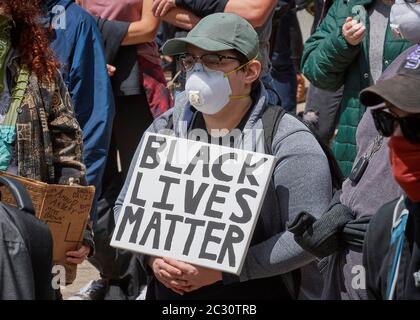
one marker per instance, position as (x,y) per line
(329,62)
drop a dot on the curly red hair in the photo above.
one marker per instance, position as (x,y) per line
(30,38)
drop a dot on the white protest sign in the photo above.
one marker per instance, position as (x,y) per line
(193,201)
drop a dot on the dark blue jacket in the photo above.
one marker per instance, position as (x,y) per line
(78,46)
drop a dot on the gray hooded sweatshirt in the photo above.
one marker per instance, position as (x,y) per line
(301,178)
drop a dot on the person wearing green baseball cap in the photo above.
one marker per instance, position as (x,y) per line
(212,55)
(226,103)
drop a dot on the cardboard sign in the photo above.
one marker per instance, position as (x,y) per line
(193,201)
(65,209)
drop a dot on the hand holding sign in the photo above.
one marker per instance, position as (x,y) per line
(165,273)
(193,277)
(78,256)
(65,209)
(182,277)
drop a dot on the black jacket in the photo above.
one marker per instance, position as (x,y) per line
(202,8)
(377,256)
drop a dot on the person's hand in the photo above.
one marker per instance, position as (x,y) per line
(161,7)
(193,277)
(165,273)
(111,70)
(77,257)
(353,31)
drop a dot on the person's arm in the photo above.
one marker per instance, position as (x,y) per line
(200,8)
(112,34)
(91,94)
(144,30)
(67,145)
(66,137)
(181,18)
(327,54)
(303,183)
(256,12)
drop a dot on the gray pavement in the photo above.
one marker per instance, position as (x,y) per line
(85,273)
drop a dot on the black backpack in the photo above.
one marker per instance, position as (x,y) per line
(271,119)
(38,245)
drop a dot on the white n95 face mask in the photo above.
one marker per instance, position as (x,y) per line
(209,90)
(405,20)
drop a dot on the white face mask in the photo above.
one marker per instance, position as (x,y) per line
(208,90)
(405,20)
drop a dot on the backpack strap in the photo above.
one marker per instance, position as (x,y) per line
(399,222)
(271,118)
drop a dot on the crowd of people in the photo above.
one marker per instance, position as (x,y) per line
(83,81)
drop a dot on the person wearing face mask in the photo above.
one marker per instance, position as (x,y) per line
(185,14)
(351,48)
(40,137)
(337,238)
(224,94)
(392,246)
(405,19)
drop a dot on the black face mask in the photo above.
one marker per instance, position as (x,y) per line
(386,123)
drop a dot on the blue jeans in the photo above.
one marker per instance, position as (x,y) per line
(285,84)
(283,71)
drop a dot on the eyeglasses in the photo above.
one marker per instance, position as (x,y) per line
(410,1)
(386,122)
(210,60)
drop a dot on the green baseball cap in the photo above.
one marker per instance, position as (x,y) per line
(218,32)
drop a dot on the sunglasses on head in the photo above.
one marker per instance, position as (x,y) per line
(386,123)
